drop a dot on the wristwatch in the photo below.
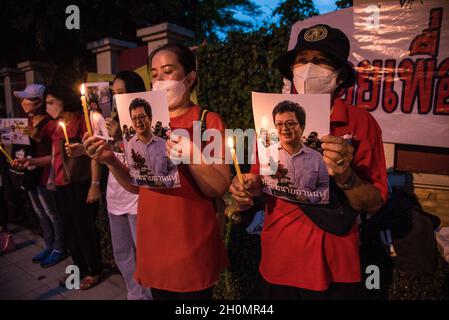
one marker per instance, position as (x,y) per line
(348,185)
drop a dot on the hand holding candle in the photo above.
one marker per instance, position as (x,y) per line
(86,112)
(234,159)
(5,153)
(239,190)
(62,124)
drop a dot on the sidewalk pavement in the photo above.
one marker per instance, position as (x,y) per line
(21,279)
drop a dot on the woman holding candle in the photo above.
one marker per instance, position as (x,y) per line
(179,250)
(121,204)
(75,196)
(300,260)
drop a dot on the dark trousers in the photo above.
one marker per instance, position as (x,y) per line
(336,291)
(169,295)
(18,204)
(81,234)
(4,210)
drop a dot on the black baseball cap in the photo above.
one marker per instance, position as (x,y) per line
(324,38)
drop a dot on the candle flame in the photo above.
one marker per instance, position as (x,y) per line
(83,89)
(264,121)
(231,142)
(62,124)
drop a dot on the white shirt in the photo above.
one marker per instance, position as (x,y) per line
(304,171)
(119,200)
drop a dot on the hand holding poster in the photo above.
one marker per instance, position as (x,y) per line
(143,117)
(287,126)
(13,131)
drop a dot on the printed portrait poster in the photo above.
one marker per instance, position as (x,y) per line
(12,131)
(99,103)
(288,147)
(145,150)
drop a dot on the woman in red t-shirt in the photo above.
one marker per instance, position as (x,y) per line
(180,253)
(299,259)
(76,189)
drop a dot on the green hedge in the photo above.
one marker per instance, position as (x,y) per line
(229,71)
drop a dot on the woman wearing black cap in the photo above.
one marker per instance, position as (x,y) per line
(299,259)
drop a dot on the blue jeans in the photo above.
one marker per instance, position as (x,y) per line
(43,201)
(123,235)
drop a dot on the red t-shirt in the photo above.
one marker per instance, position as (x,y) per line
(76,129)
(296,252)
(179,247)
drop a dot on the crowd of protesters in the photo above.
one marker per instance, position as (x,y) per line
(178,252)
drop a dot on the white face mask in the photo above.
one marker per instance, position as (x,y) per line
(31,108)
(175,90)
(54,110)
(311,78)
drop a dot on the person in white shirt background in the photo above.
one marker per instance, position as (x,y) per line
(121,204)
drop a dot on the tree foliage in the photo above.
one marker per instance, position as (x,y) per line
(229,71)
(341,4)
(291,11)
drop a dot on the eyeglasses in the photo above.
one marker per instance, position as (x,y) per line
(288,124)
(140,118)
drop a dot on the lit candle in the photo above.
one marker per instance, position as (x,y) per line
(264,121)
(86,112)
(5,153)
(62,124)
(234,158)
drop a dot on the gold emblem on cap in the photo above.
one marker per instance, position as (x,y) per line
(315,34)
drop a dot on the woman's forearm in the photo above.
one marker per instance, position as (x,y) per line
(41,162)
(212,179)
(96,170)
(121,173)
(364,197)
